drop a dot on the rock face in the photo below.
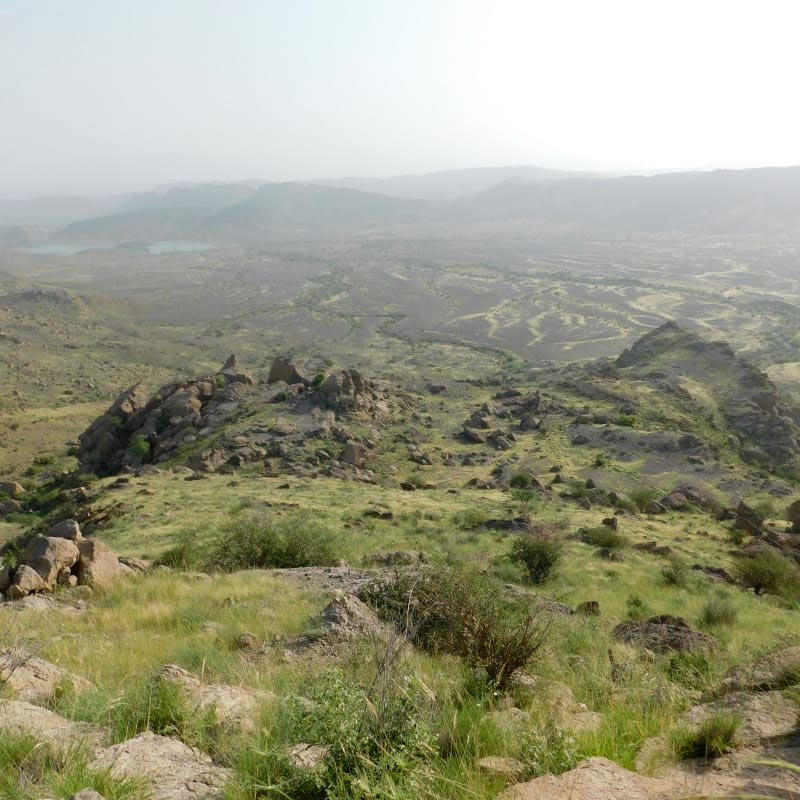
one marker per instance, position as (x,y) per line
(284,371)
(173,770)
(662,634)
(793,515)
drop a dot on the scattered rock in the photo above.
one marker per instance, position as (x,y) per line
(308,756)
(24,719)
(501,765)
(66,529)
(26,581)
(11,489)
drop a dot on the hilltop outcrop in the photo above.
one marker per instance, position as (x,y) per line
(204,420)
(764,425)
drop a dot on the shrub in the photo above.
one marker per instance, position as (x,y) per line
(150,705)
(526,499)
(627,420)
(715,736)
(470,518)
(520,480)
(636,608)
(676,572)
(318,380)
(642,497)
(258,541)
(718,610)
(451,609)
(767,572)
(139,446)
(604,536)
(538,551)
(184,554)
(220,381)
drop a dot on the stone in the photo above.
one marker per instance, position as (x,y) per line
(98,567)
(774,671)
(354,454)
(593,779)
(501,765)
(173,770)
(233,706)
(11,489)
(308,756)
(284,371)
(25,719)
(793,515)
(66,529)
(5,578)
(663,634)
(33,679)
(87,794)
(49,556)
(9,507)
(26,581)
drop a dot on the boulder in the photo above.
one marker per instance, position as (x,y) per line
(66,529)
(501,765)
(173,770)
(11,489)
(793,515)
(87,794)
(354,454)
(49,556)
(773,671)
(33,679)
(25,719)
(284,371)
(662,634)
(26,581)
(593,779)
(9,507)
(233,706)
(6,576)
(97,565)
(308,756)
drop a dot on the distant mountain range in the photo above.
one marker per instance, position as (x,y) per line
(548,203)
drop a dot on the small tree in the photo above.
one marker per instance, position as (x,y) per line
(767,572)
(538,551)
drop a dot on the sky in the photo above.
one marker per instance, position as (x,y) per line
(105,96)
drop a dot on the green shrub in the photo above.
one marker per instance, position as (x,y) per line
(318,380)
(150,705)
(526,499)
(676,572)
(520,480)
(642,497)
(766,572)
(538,551)
(463,612)
(549,750)
(185,554)
(219,380)
(715,736)
(139,446)
(259,541)
(637,609)
(604,536)
(470,518)
(717,611)
(627,420)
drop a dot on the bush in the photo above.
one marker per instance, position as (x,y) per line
(184,554)
(714,737)
(627,420)
(676,572)
(637,609)
(219,380)
(451,609)
(767,572)
(150,705)
(641,498)
(718,610)
(258,541)
(538,551)
(139,446)
(520,480)
(604,536)
(318,380)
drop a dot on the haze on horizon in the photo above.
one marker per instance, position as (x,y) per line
(108,97)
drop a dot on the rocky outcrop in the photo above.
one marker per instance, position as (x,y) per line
(53,560)
(24,719)
(283,370)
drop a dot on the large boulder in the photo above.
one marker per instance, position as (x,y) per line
(98,567)
(19,718)
(284,371)
(66,529)
(50,556)
(663,634)
(26,581)
(6,575)
(354,454)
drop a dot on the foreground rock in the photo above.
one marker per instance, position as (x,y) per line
(233,706)
(33,679)
(24,719)
(173,770)
(774,671)
(593,779)
(663,634)
(62,558)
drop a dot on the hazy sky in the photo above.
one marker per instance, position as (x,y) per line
(112,95)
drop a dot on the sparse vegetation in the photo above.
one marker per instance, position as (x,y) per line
(712,738)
